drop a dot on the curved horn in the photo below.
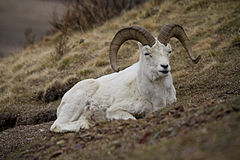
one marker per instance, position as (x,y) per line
(174,30)
(128,33)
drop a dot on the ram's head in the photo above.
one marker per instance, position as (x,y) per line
(155,53)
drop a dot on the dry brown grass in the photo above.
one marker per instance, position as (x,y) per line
(33,81)
(29,78)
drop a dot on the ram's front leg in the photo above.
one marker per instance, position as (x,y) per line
(117,111)
(172,95)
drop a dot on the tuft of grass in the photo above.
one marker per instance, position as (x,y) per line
(52,92)
(85,72)
(66,61)
(101,63)
(56,89)
(204,4)
(17,67)
(236,41)
(61,47)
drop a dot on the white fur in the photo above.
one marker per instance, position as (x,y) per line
(137,90)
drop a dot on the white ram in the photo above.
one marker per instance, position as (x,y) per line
(142,88)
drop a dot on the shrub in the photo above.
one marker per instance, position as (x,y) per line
(85,14)
(61,46)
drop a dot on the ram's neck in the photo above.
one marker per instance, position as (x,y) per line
(144,84)
(154,91)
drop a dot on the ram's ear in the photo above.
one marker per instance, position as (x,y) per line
(140,46)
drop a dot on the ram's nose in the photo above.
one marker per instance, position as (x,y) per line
(164,66)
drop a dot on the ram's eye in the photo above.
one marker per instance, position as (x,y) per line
(147,54)
(169,52)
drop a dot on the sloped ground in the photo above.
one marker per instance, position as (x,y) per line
(203,124)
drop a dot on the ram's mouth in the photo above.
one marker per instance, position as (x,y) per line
(164,72)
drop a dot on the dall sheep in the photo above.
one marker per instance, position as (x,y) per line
(142,88)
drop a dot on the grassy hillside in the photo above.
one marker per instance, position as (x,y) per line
(204,123)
